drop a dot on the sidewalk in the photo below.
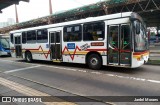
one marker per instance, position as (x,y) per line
(16,87)
(154,56)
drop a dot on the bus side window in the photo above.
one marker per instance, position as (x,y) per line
(65,37)
(24,37)
(77,33)
(11,38)
(113,36)
(72,33)
(87,32)
(31,36)
(125,37)
(42,36)
(93,31)
(66,31)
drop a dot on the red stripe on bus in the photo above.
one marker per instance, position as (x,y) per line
(125,50)
(140,53)
(96,50)
(71,55)
(40,48)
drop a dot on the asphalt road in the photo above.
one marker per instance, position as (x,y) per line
(79,80)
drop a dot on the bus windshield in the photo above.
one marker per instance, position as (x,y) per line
(141,39)
(4,42)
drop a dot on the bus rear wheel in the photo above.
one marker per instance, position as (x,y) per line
(28,57)
(94,61)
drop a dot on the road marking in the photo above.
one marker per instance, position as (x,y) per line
(82,71)
(6,60)
(110,75)
(99,73)
(9,61)
(21,69)
(134,78)
(154,81)
(32,92)
(96,72)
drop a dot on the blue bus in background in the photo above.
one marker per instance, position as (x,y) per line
(4,45)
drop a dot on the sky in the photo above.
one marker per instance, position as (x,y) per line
(40,8)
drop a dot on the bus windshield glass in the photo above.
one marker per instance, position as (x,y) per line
(141,39)
(4,42)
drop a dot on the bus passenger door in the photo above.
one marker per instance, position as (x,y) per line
(55,46)
(113,51)
(18,45)
(125,45)
(119,45)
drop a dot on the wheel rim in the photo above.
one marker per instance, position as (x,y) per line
(28,57)
(94,61)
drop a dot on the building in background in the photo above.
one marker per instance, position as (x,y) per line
(10,21)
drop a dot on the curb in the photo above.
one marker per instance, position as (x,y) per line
(153,62)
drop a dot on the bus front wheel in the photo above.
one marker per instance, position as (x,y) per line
(94,61)
(28,57)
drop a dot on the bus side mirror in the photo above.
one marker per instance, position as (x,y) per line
(137,28)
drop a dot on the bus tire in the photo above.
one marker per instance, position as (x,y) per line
(94,61)
(28,57)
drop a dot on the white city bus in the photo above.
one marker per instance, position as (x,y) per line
(111,40)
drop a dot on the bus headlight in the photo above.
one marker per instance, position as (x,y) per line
(140,58)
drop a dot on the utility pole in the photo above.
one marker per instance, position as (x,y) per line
(16,13)
(50,7)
